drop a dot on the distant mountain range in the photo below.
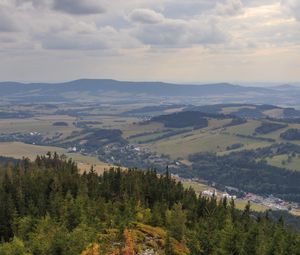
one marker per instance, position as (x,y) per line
(93,90)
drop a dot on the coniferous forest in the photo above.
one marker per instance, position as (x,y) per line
(48,207)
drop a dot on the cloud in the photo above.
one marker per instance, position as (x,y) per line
(229,8)
(7,23)
(187,8)
(57,42)
(35,3)
(293,7)
(146,16)
(79,7)
(157,30)
(76,36)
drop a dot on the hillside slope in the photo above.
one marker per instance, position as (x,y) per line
(92,90)
(47,207)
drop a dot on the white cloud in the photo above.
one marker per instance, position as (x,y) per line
(293,7)
(229,8)
(132,34)
(157,30)
(146,16)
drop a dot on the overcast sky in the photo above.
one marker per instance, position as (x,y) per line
(167,40)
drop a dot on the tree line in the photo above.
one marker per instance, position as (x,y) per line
(48,207)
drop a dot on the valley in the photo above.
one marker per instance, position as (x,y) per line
(182,137)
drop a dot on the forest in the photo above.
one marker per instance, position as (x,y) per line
(291,134)
(247,170)
(48,207)
(268,127)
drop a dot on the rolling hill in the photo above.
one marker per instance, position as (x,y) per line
(92,89)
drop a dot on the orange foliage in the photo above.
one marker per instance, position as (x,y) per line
(181,248)
(116,252)
(129,243)
(92,250)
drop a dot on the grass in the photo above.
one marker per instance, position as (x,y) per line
(294,164)
(43,125)
(296,212)
(201,141)
(110,122)
(240,204)
(214,138)
(99,168)
(274,113)
(135,129)
(19,150)
(145,138)
(276,134)
(216,123)
(197,186)
(244,129)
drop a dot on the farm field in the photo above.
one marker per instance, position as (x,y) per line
(284,161)
(196,141)
(197,186)
(217,139)
(135,129)
(43,125)
(108,122)
(240,204)
(244,129)
(19,150)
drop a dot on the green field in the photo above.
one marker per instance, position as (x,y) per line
(244,129)
(197,141)
(43,125)
(283,161)
(215,138)
(240,204)
(197,186)
(212,139)
(135,129)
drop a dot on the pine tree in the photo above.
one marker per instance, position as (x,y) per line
(176,219)
(229,240)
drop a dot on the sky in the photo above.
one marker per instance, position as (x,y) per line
(158,40)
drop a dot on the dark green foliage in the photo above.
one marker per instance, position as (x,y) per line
(291,134)
(291,113)
(15,115)
(95,138)
(47,207)
(5,160)
(247,171)
(234,146)
(235,122)
(60,124)
(151,110)
(269,127)
(183,119)
(249,113)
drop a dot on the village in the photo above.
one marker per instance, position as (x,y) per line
(272,202)
(133,155)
